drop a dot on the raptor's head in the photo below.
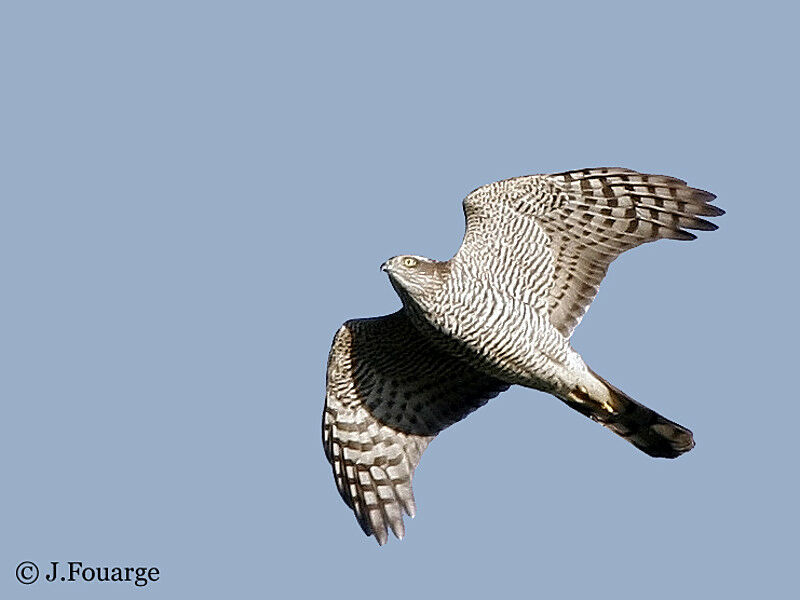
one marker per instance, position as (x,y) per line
(415,276)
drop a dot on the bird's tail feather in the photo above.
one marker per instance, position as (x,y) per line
(644,428)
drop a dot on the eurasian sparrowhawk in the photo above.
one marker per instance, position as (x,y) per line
(500,312)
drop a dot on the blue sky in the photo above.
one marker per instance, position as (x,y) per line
(196,195)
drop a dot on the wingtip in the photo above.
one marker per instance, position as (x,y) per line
(711,210)
(382,535)
(409,506)
(399,529)
(703,225)
(684,236)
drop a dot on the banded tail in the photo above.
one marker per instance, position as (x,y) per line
(644,428)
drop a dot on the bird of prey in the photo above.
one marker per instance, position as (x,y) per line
(499,313)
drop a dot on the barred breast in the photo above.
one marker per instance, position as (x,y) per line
(493,303)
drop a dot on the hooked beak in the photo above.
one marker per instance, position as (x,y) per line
(384,268)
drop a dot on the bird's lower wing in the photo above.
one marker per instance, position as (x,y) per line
(389,392)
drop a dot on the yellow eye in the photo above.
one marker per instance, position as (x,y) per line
(409,262)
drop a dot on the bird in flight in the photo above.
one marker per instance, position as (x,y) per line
(499,313)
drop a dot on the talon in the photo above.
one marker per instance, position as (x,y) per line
(581,394)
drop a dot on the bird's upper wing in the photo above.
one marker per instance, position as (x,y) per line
(389,392)
(569,227)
